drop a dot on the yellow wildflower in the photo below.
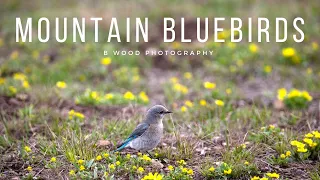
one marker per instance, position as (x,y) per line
(146,158)
(144,97)
(26,84)
(53,159)
(219,102)
(310,142)
(105,155)
(246,163)
(12,89)
(187,75)
(282,156)
(111,166)
(282,93)
(255,178)
(267,69)
(155,176)
(105,61)
(288,52)
(73,114)
(181,162)
(128,95)
(72,172)
(98,158)
(316,134)
(134,167)
(271,126)
(170,168)
(309,135)
(180,88)
(229,91)
(209,85)
(29,168)
(118,163)
(108,96)
(302,150)
(19,76)
(128,156)
(81,168)
(80,161)
(61,84)
(27,149)
(229,171)
(273,175)
(190,172)
(174,80)
(188,103)
(184,109)
(140,170)
(288,153)
(2,80)
(306,95)
(264,178)
(253,48)
(203,102)
(211,169)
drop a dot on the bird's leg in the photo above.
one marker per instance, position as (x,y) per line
(149,154)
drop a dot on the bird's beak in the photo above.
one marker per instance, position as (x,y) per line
(168,112)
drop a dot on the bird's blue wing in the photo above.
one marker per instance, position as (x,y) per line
(138,131)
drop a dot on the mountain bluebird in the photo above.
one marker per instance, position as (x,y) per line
(147,135)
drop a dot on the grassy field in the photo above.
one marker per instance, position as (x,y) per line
(249,111)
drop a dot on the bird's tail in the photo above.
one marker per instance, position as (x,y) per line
(124,144)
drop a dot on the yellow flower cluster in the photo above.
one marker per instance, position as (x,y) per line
(180,88)
(290,53)
(61,84)
(155,176)
(273,175)
(219,102)
(228,171)
(105,61)
(253,48)
(146,158)
(143,96)
(209,85)
(23,78)
(287,154)
(73,114)
(129,96)
(187,171)
(282,94)
(299,145)
(27,149)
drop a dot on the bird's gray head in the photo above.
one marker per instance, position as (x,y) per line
(156,113)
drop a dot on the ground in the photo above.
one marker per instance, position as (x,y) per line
(250,110)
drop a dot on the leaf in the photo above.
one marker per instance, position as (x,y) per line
(89,163)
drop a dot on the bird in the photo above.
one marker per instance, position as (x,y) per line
(147,135)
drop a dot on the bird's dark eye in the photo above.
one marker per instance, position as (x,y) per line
(161,112)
